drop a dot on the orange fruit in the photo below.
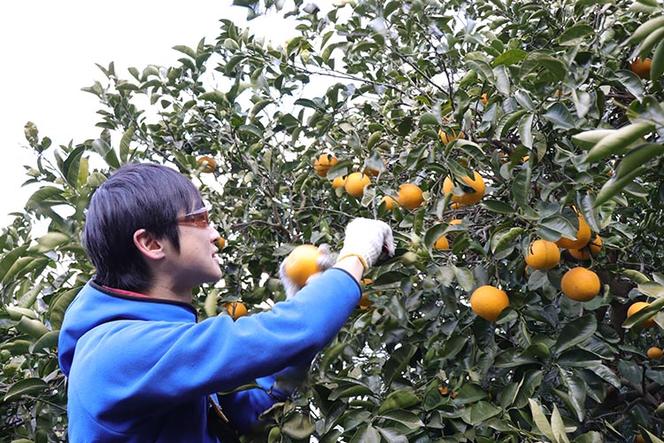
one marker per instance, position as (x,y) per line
(302,263)
(355,183)
(636,307)
(467,198)
(206,163)
(655,353)
(221,243)
(582,236)
(365,303)
(641,67)
(389,202)
(441,244)
(448,137)
(488,302)
(485,99)
(338,182)
(543,255)
(591,249)
(443,390)
(323,164)
(456,221)
(580,284)
(410,196)
(236,309)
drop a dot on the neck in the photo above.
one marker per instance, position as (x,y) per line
(168,291)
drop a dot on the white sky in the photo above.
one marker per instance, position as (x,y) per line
(49,50)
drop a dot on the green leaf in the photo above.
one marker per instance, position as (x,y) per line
(521,187)
(588,139)
(103,148)
(606,374)
(618,140)
(576,388)
(366,434)
(185,50)
(638,157)
(502,80)
(540,419)
(646,29)
(406,418)
(298,426)
(71,165)
(576,332)
(28,386)
(58,306)
(572,36)
(657,66)
(586,205)
(217,97)
(47,341)
(510,57)
(558,426)
(631,82)
(560,116)
(526,130)
(397,362)
(505,238)
(33,328)
(482,411)
(125,151)
(428,119)
(51,241)
(392,435)
(615,185)
(498,206)
(399,399)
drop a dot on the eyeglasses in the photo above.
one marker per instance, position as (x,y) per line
(199,218)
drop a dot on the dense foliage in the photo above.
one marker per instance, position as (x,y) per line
(373,82)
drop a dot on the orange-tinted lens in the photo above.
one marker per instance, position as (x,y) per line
(198,219)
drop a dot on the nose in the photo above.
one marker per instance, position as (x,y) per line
(213,232)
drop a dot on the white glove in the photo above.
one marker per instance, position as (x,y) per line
(367,239)
(325,261)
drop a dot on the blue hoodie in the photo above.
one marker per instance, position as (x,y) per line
(141,369)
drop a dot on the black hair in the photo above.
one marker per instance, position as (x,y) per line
(136,196)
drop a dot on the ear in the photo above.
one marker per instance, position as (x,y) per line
(148,245)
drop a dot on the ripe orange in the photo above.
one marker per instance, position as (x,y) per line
(206,163)
(543,255)
(338,182)
(485,99)
(641,67)
(221,243)
(591,249)
(655,353)
(323,164)
(636,307)
(389,202)
(467,198)
(580,284)
(355,184)
(410,196)
(456,221)
(236,309)
(441,244)
(488,302)
(582,236)
(448,137)
(302,263)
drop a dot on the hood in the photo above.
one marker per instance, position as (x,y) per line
(95,305)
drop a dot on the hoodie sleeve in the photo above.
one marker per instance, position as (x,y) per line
(149,366)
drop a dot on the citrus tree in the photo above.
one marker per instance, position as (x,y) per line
(515,147)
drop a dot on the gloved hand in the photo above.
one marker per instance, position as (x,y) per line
(367,239)
(325,261)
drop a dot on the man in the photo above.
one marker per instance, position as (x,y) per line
(140,367)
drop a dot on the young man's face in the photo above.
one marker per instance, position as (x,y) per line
(197,261)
